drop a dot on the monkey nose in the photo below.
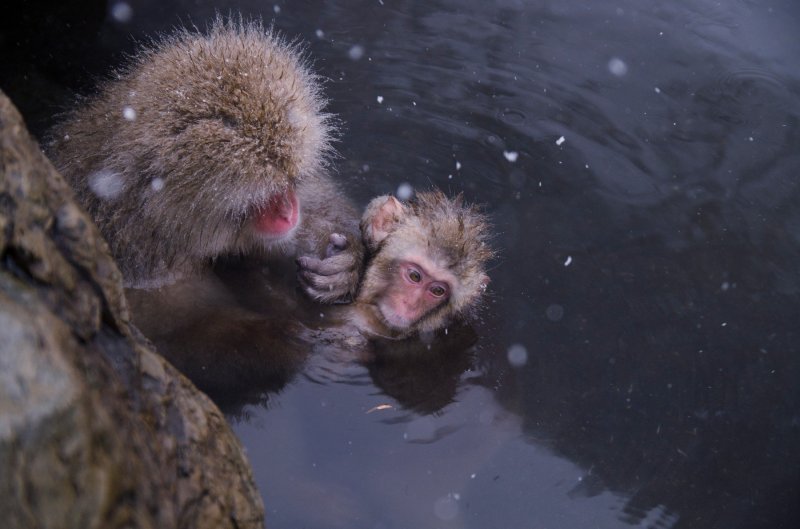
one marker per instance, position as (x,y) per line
(280,214)
(283,205)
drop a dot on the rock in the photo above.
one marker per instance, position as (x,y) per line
(96,429)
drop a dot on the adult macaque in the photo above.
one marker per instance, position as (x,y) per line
(212,145)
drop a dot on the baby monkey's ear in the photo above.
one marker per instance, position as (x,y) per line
(380,219)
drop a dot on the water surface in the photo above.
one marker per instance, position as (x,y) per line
(640,161)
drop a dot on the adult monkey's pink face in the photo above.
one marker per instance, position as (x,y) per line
(279,216)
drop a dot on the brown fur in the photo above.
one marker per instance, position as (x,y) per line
(243,324)
(223,121)
(448,232)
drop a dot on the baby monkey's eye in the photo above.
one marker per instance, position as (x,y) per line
(414,275)
(438,291)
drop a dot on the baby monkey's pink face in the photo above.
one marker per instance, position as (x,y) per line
(427,264)
(413,292)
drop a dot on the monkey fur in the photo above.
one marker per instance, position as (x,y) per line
(242,328)
(451,237)
(183,155)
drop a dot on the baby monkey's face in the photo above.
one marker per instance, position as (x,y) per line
(413,290)
(415,281)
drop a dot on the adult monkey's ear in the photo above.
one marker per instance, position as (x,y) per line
(380,219)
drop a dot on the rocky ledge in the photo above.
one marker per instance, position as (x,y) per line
(96,429)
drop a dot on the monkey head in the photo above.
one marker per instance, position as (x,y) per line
(199,147)
(428,261)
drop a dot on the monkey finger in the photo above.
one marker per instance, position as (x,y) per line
(338,240)
(331,282)
(317,295)
(332,265)
(324,288)
(337,243)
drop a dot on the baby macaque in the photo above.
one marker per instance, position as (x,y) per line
(208,145)
(427,266)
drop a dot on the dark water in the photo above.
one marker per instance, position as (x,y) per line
(649,277)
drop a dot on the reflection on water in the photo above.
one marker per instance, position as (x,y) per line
(640,162)
(470,465)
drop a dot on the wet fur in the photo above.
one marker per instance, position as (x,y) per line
(453,235)
(224,120)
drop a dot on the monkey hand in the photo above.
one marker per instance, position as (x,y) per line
(333,279)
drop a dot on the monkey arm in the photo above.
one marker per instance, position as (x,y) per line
(330,252)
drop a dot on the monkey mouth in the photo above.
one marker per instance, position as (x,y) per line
(278,216)
(392,320)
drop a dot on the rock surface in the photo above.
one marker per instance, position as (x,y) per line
(96,429)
